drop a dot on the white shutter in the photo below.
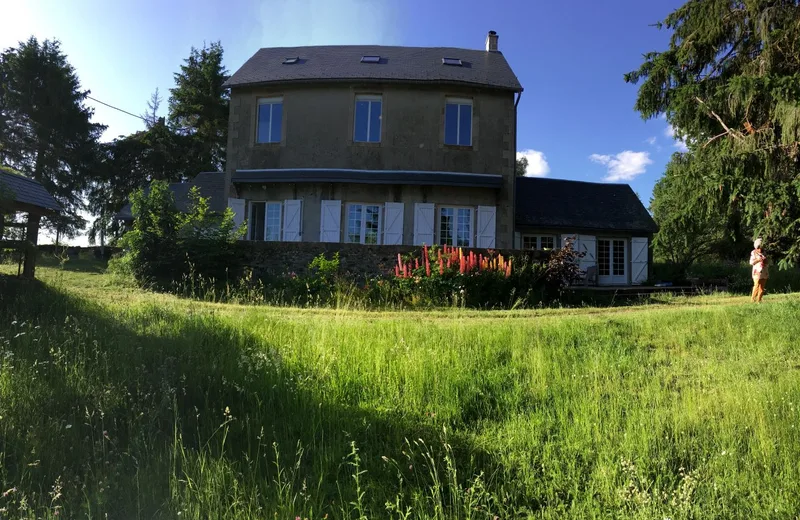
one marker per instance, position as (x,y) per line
(237,206)
(587,244)
(487,224)
(638,260)
(423,224)
(330,221)
(292,219)
(393,224)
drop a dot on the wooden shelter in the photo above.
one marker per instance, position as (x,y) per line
(20,194)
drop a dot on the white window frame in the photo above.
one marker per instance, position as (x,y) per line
(267,204)
(537,239)
(363,228)
(271,101)
(438,230)
(370,98)
(459,102)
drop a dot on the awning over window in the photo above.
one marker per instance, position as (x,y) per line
(419,178)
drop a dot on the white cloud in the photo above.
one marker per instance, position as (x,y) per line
(679,143)
(651,141)
(537,163)
(624,166)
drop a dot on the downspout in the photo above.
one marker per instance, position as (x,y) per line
(514,181)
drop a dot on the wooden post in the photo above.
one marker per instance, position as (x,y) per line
(31,239)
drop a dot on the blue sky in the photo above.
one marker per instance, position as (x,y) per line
(576,117)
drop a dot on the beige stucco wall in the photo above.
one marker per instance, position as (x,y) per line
(318,130)
(313,194)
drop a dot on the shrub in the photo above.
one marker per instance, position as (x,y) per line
(166,245)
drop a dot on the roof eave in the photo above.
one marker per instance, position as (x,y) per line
(308,81)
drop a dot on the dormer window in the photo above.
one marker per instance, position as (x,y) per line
(370,59)
(291,61)
(455,62)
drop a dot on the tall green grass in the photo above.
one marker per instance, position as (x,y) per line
(147,406)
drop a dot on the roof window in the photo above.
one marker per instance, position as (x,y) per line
(291,61)
(456,62)
(370,59)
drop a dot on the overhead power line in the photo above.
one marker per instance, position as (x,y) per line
(116,108)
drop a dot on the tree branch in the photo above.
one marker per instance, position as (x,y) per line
(734,133)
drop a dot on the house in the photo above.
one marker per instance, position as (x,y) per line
(607,222)
(374,145)
(20,194)
(210,184)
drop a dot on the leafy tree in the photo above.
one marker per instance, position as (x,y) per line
(45,128)
(521,166)
(198,104)
(150,117)
(730,83)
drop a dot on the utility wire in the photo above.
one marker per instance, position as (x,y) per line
(115,108)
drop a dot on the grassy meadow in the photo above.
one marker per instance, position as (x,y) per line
(119,403)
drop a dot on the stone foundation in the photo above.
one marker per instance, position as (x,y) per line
(356,260)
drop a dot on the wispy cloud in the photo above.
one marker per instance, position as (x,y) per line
(651,141)
(623,166)
(537,163)
(680,143)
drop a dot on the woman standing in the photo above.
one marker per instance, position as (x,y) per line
(760,272)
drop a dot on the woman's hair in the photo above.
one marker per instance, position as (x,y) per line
(757,243)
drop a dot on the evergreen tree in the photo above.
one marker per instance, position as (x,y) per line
(730,83)
(46,129)
(198,104)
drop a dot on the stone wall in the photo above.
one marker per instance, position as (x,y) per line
(355,259)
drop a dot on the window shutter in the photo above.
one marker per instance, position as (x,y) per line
(639,254)
(292,219)
(393,224)
(330,221)
(487,225)
(587,244)
(423,224)
(237,206)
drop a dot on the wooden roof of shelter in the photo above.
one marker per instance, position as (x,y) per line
(26,194)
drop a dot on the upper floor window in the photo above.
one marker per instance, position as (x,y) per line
(455,227)
(363,224)
(458,122)
(368,119)
(270,114)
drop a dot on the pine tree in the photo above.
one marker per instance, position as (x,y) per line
(198,104)
(46,129)
(730,83)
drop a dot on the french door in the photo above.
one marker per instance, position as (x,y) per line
(612,261)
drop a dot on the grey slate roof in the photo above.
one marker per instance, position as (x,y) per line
(211,185)
(418,178)
(575,205)
(28,191)
(400,64)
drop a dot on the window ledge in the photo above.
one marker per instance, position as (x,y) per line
(267,145)
(366,144)
(466,148)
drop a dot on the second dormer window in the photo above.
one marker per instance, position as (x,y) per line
(270,115)
(368,119)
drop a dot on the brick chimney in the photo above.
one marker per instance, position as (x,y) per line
(491,41)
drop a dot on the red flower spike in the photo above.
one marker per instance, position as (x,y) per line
(416,263)
(441,266)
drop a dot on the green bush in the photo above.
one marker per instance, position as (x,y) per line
(166,245)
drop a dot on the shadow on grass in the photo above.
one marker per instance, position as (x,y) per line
(130,415)
(80,264)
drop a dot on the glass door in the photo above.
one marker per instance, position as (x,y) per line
(612,261)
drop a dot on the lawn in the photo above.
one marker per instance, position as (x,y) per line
(120,402)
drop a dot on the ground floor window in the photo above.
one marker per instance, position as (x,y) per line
(363,224)
(455,227)
(265,221)
(539,242)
